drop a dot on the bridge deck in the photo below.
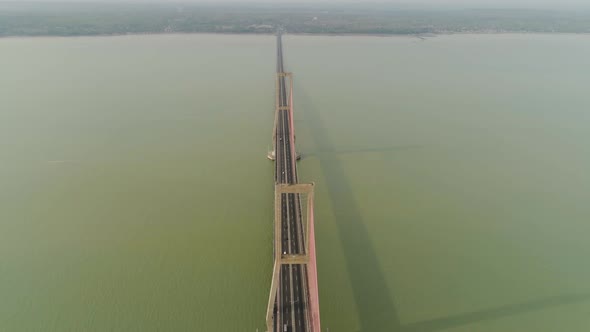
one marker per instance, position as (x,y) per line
(291,309)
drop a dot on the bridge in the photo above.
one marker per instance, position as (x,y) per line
(293,303)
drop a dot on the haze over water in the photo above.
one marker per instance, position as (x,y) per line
(451,175)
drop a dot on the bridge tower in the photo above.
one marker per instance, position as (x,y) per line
(307,258)
(272,154)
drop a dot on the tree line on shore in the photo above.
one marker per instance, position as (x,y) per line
(38,19)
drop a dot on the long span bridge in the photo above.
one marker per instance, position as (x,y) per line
(293,304)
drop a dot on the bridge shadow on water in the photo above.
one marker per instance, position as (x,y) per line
(439,324)
(374,300)
(322,153)
(375,306)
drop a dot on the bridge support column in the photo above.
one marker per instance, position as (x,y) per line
(312,274)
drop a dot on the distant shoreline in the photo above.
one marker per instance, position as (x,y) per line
(420,36)
(121,19)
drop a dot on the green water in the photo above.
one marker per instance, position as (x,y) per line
(452,181)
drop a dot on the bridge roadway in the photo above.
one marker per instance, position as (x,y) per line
(291,306)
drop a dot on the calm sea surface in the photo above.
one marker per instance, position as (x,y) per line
(453,181)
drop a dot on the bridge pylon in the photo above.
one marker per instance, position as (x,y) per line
(289,107)
(306,258)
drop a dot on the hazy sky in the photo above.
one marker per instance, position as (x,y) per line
(437,3)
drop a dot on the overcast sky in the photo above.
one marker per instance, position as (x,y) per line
(437,3)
